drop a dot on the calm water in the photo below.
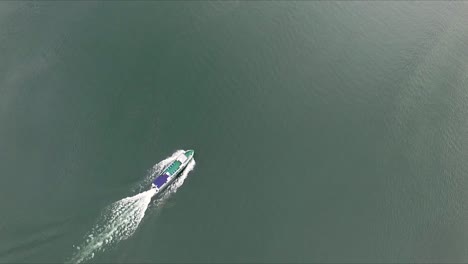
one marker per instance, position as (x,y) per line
(323,131)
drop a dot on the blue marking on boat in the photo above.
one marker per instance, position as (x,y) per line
(160,180)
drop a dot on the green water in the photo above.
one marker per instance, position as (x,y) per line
(323,131)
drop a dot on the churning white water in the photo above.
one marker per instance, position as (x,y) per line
(121,219)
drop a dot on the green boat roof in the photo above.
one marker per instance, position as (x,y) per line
(173,167)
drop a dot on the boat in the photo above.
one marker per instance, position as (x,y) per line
(173,170)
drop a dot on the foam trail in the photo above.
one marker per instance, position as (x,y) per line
(121,219)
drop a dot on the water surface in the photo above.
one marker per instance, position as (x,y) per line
(323,131)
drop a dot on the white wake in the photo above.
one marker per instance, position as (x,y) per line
(121,219)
